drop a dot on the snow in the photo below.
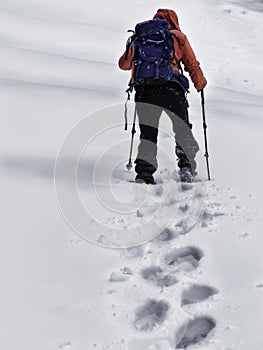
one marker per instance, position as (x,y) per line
(136,267)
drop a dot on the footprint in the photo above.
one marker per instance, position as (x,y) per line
(186,186)
(118,277)
(63,346)
(134,252)
(209,215)
(197,293)
(121,276)
(156,275)
(150,344)
(194,332)
(166,235)
(189,257)
(151,314)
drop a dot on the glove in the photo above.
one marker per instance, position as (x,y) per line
(203,85)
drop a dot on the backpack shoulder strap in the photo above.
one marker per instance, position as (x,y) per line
(129,43)
(178,64)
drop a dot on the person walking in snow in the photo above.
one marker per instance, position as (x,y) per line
(166,93)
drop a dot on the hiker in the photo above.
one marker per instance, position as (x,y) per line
(159,87)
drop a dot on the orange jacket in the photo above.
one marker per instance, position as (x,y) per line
(183,51)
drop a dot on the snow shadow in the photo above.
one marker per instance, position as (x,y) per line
(37,167)
(254,5)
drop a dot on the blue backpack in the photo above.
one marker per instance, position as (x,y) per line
(153,51)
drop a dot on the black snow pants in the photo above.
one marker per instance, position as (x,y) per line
(151,101)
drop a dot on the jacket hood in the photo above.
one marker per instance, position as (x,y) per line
(170,16)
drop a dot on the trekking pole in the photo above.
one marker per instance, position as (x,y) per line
(133,131)
(205,135)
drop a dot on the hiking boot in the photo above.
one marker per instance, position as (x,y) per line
(186,175)
(145,178)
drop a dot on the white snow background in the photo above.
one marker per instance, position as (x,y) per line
(58,65)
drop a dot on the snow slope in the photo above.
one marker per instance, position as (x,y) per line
(202,275)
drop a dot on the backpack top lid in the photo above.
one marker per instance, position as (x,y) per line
(151,27)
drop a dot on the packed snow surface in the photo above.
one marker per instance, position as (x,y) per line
(97,261)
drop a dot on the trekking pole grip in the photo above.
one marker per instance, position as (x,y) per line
(203,97)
